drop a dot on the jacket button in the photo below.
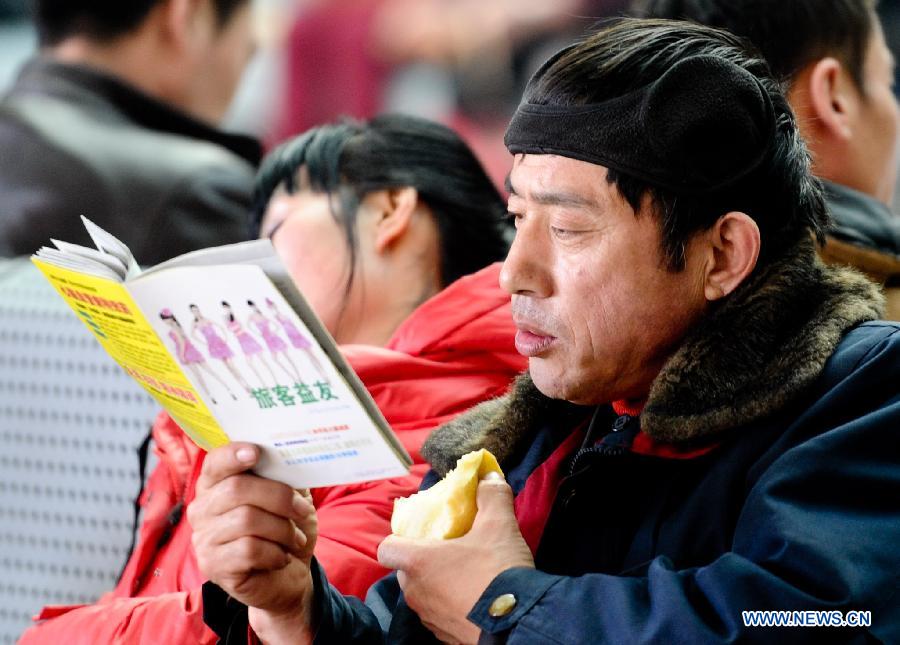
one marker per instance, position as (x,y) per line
(502,605)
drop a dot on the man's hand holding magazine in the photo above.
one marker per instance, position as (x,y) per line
(255,537)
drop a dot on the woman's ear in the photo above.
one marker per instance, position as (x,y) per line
(735,243)
(832,97)
(396,207)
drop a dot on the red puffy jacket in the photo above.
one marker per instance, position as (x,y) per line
(454,351)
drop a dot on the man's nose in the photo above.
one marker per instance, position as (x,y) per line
(526,268)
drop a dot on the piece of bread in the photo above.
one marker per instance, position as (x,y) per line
(447,509)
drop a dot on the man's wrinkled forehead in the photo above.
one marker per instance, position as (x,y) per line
(554,180)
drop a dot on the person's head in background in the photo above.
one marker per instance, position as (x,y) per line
(838,75)
(188,53)
(372,218)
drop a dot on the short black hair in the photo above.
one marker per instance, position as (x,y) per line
(102,20)
(351,159)
(781,195)
(789,33)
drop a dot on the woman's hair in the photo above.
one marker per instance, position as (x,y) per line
(351,159)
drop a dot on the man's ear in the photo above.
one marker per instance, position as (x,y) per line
(832,95)
(735,243)
(177,21)
(397,207)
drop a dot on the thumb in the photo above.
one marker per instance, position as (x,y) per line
(399,553)
(494,499)
(225,461)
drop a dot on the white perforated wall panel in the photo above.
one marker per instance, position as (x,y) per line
(70,425)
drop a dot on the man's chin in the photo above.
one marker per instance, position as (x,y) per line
(548,379)
(566,383)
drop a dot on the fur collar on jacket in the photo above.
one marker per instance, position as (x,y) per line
(754,353)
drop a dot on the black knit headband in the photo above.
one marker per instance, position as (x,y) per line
(702,126)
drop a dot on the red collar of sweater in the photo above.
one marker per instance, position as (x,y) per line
(644,444)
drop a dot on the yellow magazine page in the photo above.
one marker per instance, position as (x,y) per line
(110,313)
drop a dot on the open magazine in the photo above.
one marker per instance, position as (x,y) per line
(224,341)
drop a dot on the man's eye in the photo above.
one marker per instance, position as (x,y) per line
(515,218)
(564,233)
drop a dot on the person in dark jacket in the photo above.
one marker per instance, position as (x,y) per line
(839,72)
(115,120)
(708,425)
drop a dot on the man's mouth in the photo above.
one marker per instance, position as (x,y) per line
(532,341)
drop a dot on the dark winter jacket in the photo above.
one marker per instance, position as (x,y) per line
(78,142)
(860,219)
(865,235)
(762,474)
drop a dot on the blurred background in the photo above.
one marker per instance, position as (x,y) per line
(17,40)
(461,62)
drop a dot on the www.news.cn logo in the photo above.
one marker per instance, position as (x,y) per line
(807,618)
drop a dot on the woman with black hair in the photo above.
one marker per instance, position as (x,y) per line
(392,231)
(386,212)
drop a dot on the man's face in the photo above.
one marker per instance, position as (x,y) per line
(874,148)
(220,55)
(597,310)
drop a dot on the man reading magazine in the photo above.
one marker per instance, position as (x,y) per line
(708,429)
